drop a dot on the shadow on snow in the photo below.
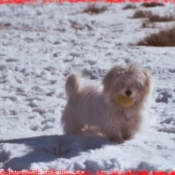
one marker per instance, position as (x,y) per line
(48,148)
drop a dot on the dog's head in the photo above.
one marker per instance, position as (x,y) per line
(127,85)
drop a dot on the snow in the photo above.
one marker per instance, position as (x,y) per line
(39,45)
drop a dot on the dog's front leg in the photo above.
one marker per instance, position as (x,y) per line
(114,134)
(117,139)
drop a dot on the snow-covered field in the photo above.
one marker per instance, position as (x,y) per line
(38,45)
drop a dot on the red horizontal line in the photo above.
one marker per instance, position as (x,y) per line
(18,1)
(77,1)
(54,172)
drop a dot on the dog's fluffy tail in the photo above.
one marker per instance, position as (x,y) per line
(73,85)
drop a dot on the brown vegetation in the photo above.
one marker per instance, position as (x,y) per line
(151,4)
(129,6)
(164,38)
(94,9)
(153,17)
(142,14)
(158,18)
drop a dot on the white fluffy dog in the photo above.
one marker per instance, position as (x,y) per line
(115,110)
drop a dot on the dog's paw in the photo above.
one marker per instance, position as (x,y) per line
(116,139)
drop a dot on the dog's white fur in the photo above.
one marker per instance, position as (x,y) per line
(95,108)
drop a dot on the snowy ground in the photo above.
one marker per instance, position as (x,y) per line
(38,45)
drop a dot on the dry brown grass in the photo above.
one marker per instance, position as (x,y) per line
(153,17)
(129,6)
(151,4)
(4,26)
(142,14)
(94,9)
(164,38)
(150,22)
(158,18)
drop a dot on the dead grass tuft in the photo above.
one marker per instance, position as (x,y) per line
(129,6)
(94,9)
(164,38)
(153,17)
(151,4)
(158,18)
(142,14)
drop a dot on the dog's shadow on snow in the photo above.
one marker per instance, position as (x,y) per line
(49,148)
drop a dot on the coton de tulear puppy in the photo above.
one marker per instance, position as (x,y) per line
(115,110)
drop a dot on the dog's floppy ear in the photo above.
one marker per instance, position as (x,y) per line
(148,80)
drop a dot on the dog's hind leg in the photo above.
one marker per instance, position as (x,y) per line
(71,124)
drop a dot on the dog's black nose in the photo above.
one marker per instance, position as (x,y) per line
(128,92)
